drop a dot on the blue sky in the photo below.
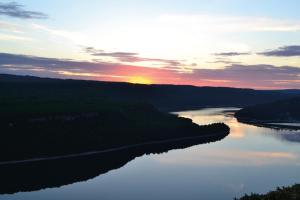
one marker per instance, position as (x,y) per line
(66,9)
(181,36)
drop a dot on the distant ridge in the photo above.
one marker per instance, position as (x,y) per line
(164,97)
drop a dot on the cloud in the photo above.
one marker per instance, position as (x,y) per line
(122,56)
(226,58)
(226,23)
(253,76)
(23,61)
(66,68)
(225,61)
(14,37)
(286,51)
(7,26)
(13,9)
(235,75)
(130,57)
(232,54)
(74,36)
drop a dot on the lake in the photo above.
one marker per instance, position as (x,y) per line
(250,159)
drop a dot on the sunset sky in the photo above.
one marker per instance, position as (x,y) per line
(232,43)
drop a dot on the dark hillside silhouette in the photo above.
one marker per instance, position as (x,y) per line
(163,97)
(48,117)
(283,111)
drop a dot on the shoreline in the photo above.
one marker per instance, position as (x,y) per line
(271,124)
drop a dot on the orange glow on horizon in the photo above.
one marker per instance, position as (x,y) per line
(140,80)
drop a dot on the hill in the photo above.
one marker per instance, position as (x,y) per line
(283,111)
(42,118)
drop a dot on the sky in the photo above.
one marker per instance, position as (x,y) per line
(230,43)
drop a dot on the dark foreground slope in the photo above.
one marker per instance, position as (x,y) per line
(285,193)
(58,127)
(163,97)
(284,111)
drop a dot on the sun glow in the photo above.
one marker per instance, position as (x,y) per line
(140,80)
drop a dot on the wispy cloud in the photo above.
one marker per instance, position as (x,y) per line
(121,56)
(8,26)
(229,54)
(253,76)
(224,61)
(71,35)
(13,9)
(131,57)
(286,51)
(232,23)
(11,37)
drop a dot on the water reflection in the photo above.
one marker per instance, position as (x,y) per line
(55,173)
(213,115)
(238,130)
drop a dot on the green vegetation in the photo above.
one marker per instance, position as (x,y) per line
(284,193)
(48,117)
(284,111)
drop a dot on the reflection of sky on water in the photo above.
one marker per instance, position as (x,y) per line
(250,159)
(246,144)
(214,115)
(231,158)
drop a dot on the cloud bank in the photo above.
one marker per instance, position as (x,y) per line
(130,57)
(235,75)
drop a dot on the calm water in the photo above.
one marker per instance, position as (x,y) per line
(250,159)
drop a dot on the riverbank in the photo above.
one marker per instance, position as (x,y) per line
(271,124)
